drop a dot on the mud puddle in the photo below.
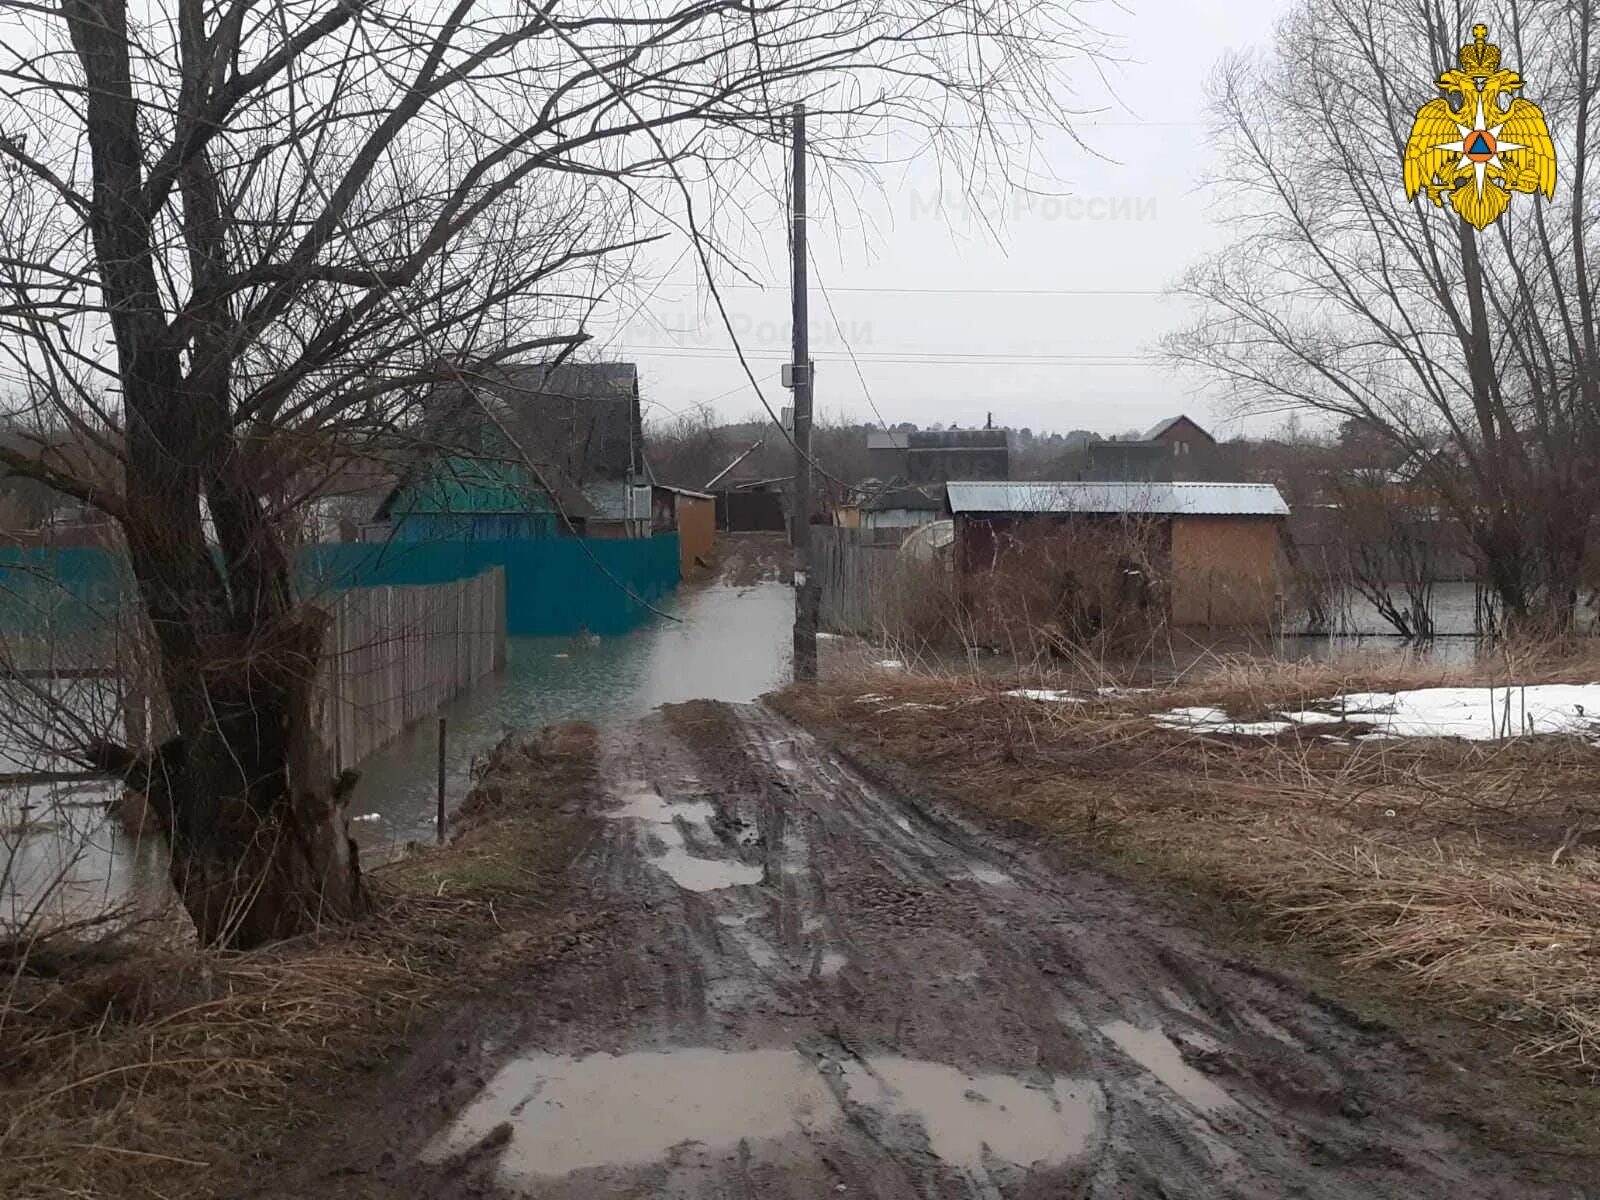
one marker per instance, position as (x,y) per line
(663,826)
(549,1116)
(560,1115)
(971,1120)
(1160,1055)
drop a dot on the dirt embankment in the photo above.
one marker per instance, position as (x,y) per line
(141,1066)
(818,983)
(1433,874)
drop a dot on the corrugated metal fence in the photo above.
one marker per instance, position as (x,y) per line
(395,655)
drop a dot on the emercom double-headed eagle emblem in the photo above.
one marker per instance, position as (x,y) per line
(1490,144)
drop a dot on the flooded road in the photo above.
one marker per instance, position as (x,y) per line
(718,642)
(811,983)
(725,643)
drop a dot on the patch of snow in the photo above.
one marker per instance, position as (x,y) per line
(1046,695)
(1183,717)
(1253,728)
(828,637)
(871,698)
(890,664)
(1312,717)
(1480,713)
(368,817)
(1122,691)
(1214,720)
(1470,713)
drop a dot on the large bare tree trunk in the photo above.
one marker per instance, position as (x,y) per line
(293,228)
(259,849)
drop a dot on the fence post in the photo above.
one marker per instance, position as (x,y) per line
(441,779)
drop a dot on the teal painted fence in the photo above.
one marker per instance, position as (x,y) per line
(553,585)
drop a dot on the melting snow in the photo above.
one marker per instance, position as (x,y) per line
(1479,714)
(1472,713)
(1048,695)
(1214,720)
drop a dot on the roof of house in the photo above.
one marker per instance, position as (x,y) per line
(1145,499)
(572,424)
(1168,424)
(959,439)
(910,498)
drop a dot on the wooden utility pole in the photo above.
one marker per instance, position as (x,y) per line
(805,595)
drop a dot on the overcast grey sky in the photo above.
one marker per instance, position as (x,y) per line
(1049,327)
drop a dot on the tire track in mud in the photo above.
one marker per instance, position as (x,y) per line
(819,988)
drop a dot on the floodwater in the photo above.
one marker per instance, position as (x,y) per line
(1358,628)
(720,643)
(59,855)
(717,642)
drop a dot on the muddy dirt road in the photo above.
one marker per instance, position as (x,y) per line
(811,986)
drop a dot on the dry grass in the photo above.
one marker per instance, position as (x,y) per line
(141,1066)
(1426,864)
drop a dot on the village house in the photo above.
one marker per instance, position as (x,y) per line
(1181,436)
(901,508)
(525,451)
(1201,554)
(939,455)
(1174,449)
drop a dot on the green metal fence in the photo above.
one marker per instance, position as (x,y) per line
(553,585)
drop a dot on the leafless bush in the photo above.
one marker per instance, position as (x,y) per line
(1097,585)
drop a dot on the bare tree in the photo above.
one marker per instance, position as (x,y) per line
(1474,355)
(238,236)
(1390,550)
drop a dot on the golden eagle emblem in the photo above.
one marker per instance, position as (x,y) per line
(1489,145)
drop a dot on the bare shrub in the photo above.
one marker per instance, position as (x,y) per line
(1098,584)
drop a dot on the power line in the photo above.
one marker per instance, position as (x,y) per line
(949,291)
(931,358)
(849,349)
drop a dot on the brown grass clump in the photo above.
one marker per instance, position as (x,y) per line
(141,1065)
(1463,874)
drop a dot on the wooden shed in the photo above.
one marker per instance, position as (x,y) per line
(693,516)
(1206,554)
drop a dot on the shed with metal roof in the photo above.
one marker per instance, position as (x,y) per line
(1204,554)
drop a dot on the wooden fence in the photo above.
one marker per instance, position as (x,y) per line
(859,572)
(395,655)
